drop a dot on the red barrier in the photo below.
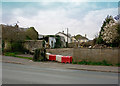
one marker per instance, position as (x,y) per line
(66,59)
(71,59)
(52,57)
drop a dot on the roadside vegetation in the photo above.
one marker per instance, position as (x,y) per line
(109,34)
(15,54)
(40,55)
(102,63)
(13,37)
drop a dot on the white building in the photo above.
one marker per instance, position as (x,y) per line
(65,36)
(52,42)
(73,39)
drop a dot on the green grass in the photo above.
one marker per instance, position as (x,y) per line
(118,64)
(30,58)
(10,54)
(14,54)
(102,63)
(74,62)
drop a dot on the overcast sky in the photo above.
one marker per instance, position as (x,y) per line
(52,17)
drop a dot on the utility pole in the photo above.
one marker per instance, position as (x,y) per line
(67,37)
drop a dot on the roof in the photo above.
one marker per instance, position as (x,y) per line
(64,34)
(80,37)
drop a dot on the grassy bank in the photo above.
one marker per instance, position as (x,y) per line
(102,63)
(15,54)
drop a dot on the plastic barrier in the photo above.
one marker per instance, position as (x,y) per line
(58,58)
(71,59)
(47,55)
(52,57)
(66,59)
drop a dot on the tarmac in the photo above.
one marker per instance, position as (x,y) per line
(56,65)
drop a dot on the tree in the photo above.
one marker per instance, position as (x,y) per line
(78,37)
(14,36)
(109,33)
(102,34)
(58,43)
(31,34)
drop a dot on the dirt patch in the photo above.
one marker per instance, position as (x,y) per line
(61,51)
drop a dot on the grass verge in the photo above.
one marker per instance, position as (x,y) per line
(102,63)
(15,54)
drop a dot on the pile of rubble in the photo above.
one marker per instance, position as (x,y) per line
(100,46)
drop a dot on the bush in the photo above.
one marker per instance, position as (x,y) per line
(15,47)
(99,40)
(58,42)
(43,54)
(36,55)
(40,55)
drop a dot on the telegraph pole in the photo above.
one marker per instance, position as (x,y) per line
(67,37)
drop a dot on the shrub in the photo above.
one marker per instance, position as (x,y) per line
(105,63)
(43,54)
(40,55)
(58,42)
(15,47)
(36,55)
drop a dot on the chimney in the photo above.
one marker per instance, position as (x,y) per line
(16,26)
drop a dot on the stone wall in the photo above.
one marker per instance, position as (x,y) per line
(7,46)
(96,55)
(33,44)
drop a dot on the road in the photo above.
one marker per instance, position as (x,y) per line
(29,74)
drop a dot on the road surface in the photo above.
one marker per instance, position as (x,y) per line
(29,74)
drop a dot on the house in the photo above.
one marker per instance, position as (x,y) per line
(62,34)
(73,40)
(63,41)
(50,41)
(81,38)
